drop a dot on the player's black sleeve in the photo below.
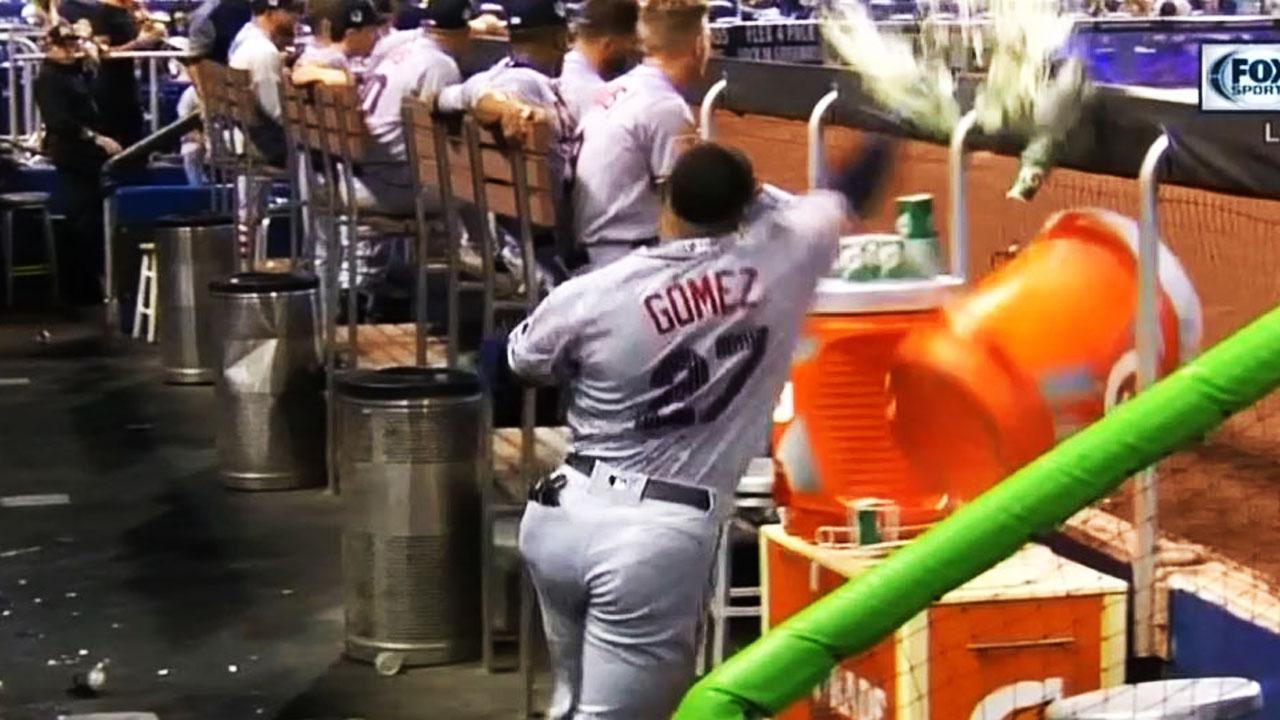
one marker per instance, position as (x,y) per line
(862,179)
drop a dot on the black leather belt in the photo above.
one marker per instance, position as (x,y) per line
(633,244)
(654,489)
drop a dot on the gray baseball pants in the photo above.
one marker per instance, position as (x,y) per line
(623,584)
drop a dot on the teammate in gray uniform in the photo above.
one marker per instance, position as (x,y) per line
(354,30)
(628,139)
(319,48)
(672,357)
(539,38)
(256,48)
(420,67)
(604,47)
(517,91)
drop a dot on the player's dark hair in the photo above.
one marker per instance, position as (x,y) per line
(539,36)
(711,186)
(607,18)
(323,10)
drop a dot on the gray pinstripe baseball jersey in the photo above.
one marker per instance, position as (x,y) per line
(677,353)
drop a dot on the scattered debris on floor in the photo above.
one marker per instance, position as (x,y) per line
(92,682)
(21,501)
(6,554)
(112,716)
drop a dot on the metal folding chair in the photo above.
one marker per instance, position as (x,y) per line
(349,143)
(220,133)
(293,101)
(435,145)
(514,181)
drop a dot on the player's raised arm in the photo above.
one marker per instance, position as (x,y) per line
(542,349)
(861,179)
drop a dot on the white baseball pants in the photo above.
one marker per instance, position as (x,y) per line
(623,584)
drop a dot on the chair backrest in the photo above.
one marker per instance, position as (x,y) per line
(293,100)
(344,133)
(500,164)
(220,124)
(242,100)
(429,136)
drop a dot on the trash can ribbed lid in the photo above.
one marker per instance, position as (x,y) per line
(1197,699)
(254,283)
(202,219)
(408,383)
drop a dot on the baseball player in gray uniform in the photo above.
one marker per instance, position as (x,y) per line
(354,29)
(628,139)
(256,48)
(604,47)
(672,358)
(319,48)
(418,67)
(539,38)
(518,90)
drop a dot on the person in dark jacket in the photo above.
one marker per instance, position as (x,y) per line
(74,140)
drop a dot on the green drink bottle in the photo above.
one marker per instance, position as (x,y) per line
(920,240)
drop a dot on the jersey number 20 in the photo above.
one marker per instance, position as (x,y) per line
(683,372)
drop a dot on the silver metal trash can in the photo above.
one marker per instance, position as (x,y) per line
(1198,699)
(270,389)
(413,452)
(190,252)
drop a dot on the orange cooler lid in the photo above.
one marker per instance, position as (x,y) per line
(966,415)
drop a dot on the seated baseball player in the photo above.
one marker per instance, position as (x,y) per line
(517,92)
(319,48)
(354,29)
(257,49)
(671,356)
(420,67)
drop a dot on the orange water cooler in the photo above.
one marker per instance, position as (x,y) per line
(832,442)
(1038,350)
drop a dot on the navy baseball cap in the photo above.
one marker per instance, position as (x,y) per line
(446,14)
(355,14)
(535,14)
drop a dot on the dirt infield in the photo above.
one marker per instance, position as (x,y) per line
(1223,493)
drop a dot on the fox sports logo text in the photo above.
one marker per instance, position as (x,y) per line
(1240,77)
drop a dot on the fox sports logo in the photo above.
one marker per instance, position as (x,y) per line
(1247,77)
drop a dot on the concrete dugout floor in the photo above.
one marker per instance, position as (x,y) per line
(209,604)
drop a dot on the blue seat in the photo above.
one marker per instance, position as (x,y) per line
(140,205)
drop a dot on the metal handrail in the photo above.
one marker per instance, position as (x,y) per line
(142,148)
(1146,501)
(28,95)
(959,210)
(708,107)
(817,156)
(33,55)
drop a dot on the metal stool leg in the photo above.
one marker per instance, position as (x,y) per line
(147,301)
(51,252)
(140,301)
(720,600)
(6,238)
